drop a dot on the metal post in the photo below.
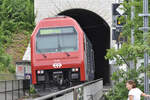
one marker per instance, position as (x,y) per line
(18,88)
(132,33)
(145,29)
(12,90)
(145,11)
(146,80)
(5,90)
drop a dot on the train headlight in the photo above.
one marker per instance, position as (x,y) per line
(38,72)
(75,69)
(42,71)
(75,75)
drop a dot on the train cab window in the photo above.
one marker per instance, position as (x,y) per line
(60,39)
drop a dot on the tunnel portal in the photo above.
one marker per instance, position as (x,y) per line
(98,32)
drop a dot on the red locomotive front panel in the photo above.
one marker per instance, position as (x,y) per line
(57,51)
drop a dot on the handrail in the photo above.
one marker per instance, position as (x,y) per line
(14,89)
(52,95)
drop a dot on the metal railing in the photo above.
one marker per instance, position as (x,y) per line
(87,91)
(14,89)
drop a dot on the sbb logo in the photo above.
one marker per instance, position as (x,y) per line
(57,65)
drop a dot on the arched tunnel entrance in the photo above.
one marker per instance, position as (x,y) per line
(98,32)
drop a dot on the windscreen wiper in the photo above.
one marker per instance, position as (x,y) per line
(42,53)
(67,54)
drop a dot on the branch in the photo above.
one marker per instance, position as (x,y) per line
(125,61)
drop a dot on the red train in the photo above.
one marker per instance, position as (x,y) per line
(61,53)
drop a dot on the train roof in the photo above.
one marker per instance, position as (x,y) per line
(56,17)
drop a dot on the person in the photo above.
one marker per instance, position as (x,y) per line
(134,93)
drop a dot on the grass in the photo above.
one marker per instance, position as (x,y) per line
(7,77)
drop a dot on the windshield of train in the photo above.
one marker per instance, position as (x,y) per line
(60,39)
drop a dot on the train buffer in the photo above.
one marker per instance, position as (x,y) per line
(92,90)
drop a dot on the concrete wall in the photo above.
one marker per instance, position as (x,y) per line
(49,8)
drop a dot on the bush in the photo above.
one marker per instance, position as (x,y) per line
(32,89)
(120,77)
(16,16)
(6,64)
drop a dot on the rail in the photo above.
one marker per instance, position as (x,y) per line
(92,90)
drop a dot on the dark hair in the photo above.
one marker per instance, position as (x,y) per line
(131,82)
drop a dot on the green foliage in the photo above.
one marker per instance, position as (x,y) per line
(32,89)
(16,16)
(129,52)
(126,53)
(120,77)
(5,64)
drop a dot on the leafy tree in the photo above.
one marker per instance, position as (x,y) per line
(129,52)
(16,16)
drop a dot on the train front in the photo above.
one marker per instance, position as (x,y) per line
(57,52)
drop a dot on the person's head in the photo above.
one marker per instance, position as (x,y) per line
(130,84)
